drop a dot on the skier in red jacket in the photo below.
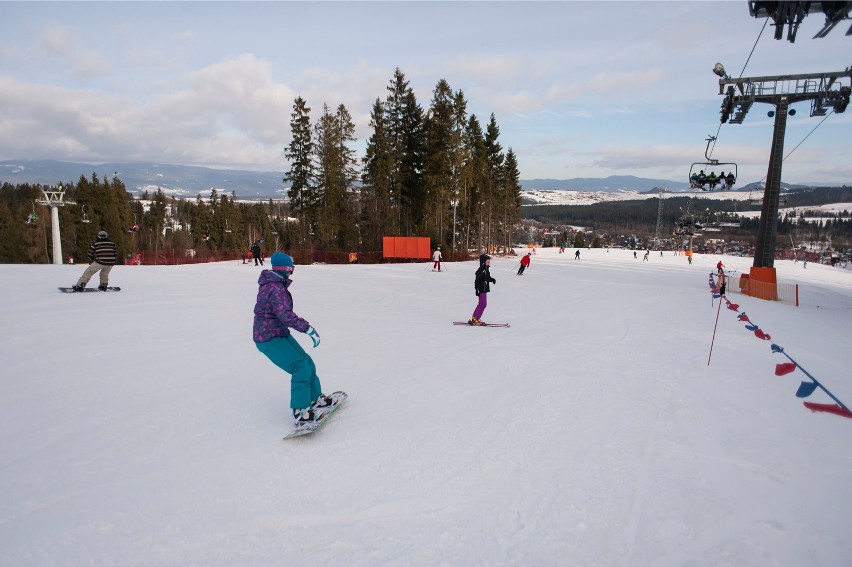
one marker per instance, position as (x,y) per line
(525,262)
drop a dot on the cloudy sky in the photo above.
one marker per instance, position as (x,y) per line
(579,89)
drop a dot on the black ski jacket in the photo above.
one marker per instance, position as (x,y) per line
(483,279)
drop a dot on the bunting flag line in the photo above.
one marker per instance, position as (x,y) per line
(806,388)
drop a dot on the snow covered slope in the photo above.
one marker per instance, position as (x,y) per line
(144,428)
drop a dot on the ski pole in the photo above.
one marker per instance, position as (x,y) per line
(714,331)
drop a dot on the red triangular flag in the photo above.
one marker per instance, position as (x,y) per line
(733,306)
(761,335)
(784,368)
(830,408)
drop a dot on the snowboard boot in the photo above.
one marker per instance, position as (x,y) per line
(475,322)
(102,287)
(322,405)
(77,287)
(304,416)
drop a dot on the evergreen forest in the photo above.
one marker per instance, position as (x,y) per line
(438,172)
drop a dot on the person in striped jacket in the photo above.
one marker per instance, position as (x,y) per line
(102,255)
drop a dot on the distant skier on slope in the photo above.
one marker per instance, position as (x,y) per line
(481,287)
(436,259)
(525,262)
(257,253)
(273,319)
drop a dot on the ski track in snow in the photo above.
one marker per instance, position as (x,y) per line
(144,428)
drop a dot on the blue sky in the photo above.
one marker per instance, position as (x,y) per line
(579,89)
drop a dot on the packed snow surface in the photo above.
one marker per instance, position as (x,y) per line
(144,428)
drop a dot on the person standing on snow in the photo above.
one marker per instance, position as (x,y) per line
(102,255)
(273,319)
(257,253)
(720,267)
(436,258)
(525,262)
(482,287)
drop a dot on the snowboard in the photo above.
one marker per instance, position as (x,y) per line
(307,428)
(466,324)
(72,290)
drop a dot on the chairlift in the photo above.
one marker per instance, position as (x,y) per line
(85,219)
(700,179)
(227,228)
(32,218)
(135,227)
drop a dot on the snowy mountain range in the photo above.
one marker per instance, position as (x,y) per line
(189,181)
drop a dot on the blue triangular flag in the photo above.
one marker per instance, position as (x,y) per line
(806,389)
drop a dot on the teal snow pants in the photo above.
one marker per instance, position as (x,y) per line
(289,356)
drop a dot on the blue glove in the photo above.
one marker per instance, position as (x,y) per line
(314,336)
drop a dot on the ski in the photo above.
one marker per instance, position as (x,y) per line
(89,289)
(466,324)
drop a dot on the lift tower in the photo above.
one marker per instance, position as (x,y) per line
(824,90)
(55,198)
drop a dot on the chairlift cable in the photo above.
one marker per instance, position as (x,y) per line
(765,21)
(830,112)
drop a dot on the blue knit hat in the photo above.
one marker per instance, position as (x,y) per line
(281,262)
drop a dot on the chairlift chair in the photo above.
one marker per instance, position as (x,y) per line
(698,179)
(33,217)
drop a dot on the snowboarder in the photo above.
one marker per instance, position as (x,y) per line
(720,267)
(481,287)
(436,259)
(257,253)
(722,283)
(273,319)
(577,254)
(645,257)
(102,255)
(525,262)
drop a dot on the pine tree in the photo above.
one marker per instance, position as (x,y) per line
(335,177)
(495,199)
(439,158)
(404,120)
(300,153)
(379,213)
(512,195)
(475,179)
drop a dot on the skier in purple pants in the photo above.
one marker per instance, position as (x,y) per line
(482,287)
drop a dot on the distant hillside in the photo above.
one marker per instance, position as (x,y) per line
(189,181)
(611,183)
(177,180)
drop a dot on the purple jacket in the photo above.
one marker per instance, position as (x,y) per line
(273,312)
